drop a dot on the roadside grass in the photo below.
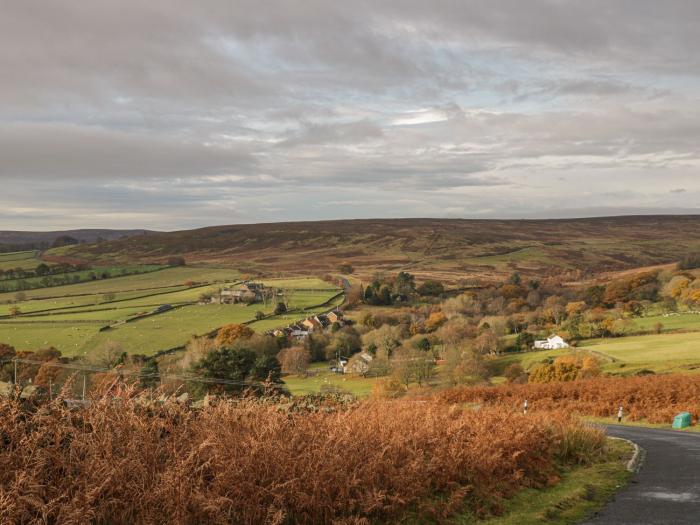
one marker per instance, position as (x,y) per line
(580,493)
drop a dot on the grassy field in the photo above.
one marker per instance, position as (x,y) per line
(62,279)
(660,353)
(668,352)
(149,281)
(320,376)
(71,322)
(25,260)
(681,321)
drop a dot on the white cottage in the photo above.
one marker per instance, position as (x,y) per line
(554,342)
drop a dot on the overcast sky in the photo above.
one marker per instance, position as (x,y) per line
(176,114)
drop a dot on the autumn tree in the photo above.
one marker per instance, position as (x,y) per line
(230,333)
(294,360)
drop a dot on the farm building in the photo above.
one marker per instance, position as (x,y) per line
(248,292)
(555,342)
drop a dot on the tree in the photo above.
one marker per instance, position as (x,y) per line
(232,332)
(294,360)
(176,260)
(231,367)
(108,355)
(281,308)
(515,373)
(431,288)
(435,320)
(64,240)
(148,375)
(15,311)
(405,284)
(259,315)
(42,269)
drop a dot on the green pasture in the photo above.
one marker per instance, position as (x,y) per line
(174,328)
(660,353)
(668,352)
(78,302)
(25,260)
(320,376)
(147,281)
(63,279)
(69,338)
(680,321)
(300,282)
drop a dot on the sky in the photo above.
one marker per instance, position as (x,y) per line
(178,114)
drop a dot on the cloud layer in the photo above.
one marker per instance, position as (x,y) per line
(177,114)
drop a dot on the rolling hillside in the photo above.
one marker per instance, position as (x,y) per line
(39,240)
(449,249)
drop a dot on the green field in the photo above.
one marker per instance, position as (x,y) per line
(660,353)
(25,260)
(63,279)
(669,352)
(681,321)
(320,375)
(71,322)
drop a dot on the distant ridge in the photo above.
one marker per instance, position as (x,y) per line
(42,239)
(447,248)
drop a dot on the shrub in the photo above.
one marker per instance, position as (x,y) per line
(136,461)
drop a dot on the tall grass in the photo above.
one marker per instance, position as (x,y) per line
(653,398)
(122,460)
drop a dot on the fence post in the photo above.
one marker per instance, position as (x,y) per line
(15,362)
(84,384)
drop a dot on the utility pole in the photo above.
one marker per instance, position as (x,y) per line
(84,384)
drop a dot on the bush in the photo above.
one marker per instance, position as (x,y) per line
(137,461)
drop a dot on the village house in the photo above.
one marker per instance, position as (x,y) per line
(312,324)
(359,364)
(554,342)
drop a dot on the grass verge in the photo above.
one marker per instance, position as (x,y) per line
(581,492)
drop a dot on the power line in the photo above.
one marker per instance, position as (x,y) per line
(83,368)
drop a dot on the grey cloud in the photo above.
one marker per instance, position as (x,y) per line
(61,151)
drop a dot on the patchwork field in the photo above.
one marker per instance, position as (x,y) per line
(25,260)
(78,319)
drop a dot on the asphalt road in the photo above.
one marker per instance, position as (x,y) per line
(666,489)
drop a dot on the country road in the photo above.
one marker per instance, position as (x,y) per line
(667,487)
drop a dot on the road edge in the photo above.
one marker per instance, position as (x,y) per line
(635,463)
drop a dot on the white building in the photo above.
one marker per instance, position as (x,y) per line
(554,342)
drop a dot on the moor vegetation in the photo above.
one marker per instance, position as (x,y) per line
(127,459)
(447,249)
(655,399)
